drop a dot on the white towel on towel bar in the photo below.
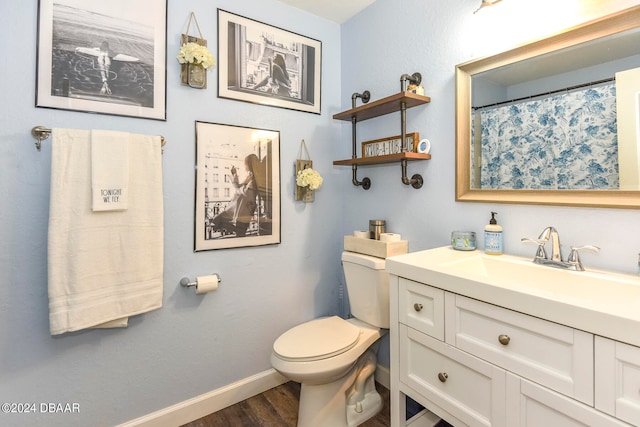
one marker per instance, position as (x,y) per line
(103,266)
(109,170)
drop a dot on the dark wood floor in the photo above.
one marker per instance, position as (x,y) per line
(277,407)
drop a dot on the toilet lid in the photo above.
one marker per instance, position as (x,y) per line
(317,339)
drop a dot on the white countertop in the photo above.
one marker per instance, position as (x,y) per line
(601,302)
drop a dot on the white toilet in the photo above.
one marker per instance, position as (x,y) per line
(335,359)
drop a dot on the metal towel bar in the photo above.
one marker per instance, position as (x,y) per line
(40,133)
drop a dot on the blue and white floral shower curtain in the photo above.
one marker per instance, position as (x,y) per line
(564,141)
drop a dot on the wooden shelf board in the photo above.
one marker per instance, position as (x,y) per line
(382,106)
(389,158)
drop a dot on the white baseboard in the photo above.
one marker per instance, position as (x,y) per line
(215,400)
(207,403)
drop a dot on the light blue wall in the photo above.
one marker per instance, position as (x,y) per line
(196,344)
(432,37)
(391,38)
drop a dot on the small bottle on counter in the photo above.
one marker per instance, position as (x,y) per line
(493,237)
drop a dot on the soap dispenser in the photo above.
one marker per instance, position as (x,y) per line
(493,237)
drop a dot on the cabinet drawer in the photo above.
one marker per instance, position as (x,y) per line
(618,379)
(468,388)
(556,356)
(421,307)
(532,405)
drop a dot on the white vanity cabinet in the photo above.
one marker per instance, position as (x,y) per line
(530,404)
(557,356)
(471,390)
(422,308)
(618,379)
(475,363)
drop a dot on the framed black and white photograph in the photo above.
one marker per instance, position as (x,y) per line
(237,186)
(267,65)
(103,57)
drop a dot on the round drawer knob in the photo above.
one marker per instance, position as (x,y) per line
(417,306)
(442,376)
(504,339)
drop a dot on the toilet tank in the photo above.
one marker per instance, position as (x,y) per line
(368,288)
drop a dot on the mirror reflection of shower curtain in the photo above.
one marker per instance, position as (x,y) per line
(476,149)
(628,106)
(564,141)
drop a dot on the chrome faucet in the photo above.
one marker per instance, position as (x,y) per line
(551,234)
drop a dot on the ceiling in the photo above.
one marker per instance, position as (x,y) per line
(334,10)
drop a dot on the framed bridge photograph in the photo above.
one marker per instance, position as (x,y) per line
(103,57)
(267,65)
(237,200)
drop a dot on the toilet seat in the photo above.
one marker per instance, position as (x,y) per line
(317,339)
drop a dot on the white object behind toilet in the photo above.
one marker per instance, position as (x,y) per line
(368,287)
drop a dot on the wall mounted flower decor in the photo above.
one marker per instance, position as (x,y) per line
(198,59)
(195,58)
(308,180)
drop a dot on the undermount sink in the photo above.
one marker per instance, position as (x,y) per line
(601,302)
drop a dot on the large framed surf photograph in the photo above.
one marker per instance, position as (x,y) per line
(267,65)
(103,57)
(237,186)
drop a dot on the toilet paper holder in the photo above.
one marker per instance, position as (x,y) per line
(187,283)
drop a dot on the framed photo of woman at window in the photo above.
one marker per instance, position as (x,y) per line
(237,186)
(103,57)
(267,65)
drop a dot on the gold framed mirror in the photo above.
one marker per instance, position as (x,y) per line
(594,39)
